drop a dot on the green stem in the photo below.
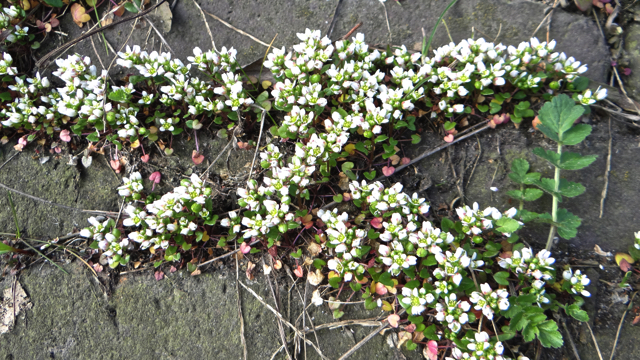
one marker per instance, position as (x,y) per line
(521,198)
(554,209)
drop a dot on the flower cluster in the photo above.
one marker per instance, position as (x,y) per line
(490,301)
(163,223)
(10,16)
(578,282)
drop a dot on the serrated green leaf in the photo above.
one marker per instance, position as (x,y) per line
(576,134)
(515,194)
(575,161)
(520,166)
(549,335)
(575,312)
(560,113)
(531,194)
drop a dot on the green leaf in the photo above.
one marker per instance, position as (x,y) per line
(520,166)
(370,175)
(560,114)
(385,279)
(337,198)
(297,254)
(446,224)
(576,134)
(549,335)
(575,161)
(531,194)
(6,96)
(575,312)
(507,225)
(347,166)
(580,83)
(415,139)
(515,194)
(567,224)
(483,108)
(487,92)
(319,263)
(362,148)
(566,161)
(335,281)
(566,188)
(501,277)
(54,3)
(130,8)
(430,332)
(430,261)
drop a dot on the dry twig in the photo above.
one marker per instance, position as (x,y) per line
(594,340)
(213,43)
(606,173)
(281,318)
(613,351)
(238,30)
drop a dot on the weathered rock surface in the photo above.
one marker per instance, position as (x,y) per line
(185,317)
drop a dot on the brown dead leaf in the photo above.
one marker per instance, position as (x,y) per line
(599,251)
(249,272)
(13,296)
(79,14)
(314,249)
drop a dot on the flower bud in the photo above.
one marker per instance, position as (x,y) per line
(136,196)
(196,208)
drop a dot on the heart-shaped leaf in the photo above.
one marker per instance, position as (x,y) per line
(155,177)
(298,271)
(115,165)
(65,136)
(86,161)
(79,14)
(448,138)
(197,158)
(393,320)
(145,158)
(245,248)
(431,350)
(376,222)
(388,170)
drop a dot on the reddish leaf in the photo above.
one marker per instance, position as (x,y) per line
(405,160)
(120,11)
(410,328)
(381,289)
(393,320)
(388,170)
(65,136)
(57,149)
(79,14)
(173,269)
(155,177)
(115,165)
(636,320)
(54,21)
(145,158)
(298,271)
(448,138)
(431,350)
(376,222)
(245,248)
(40,24)
(626,71)
(196,157)
(97,267)
(625,266)
(159,275)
